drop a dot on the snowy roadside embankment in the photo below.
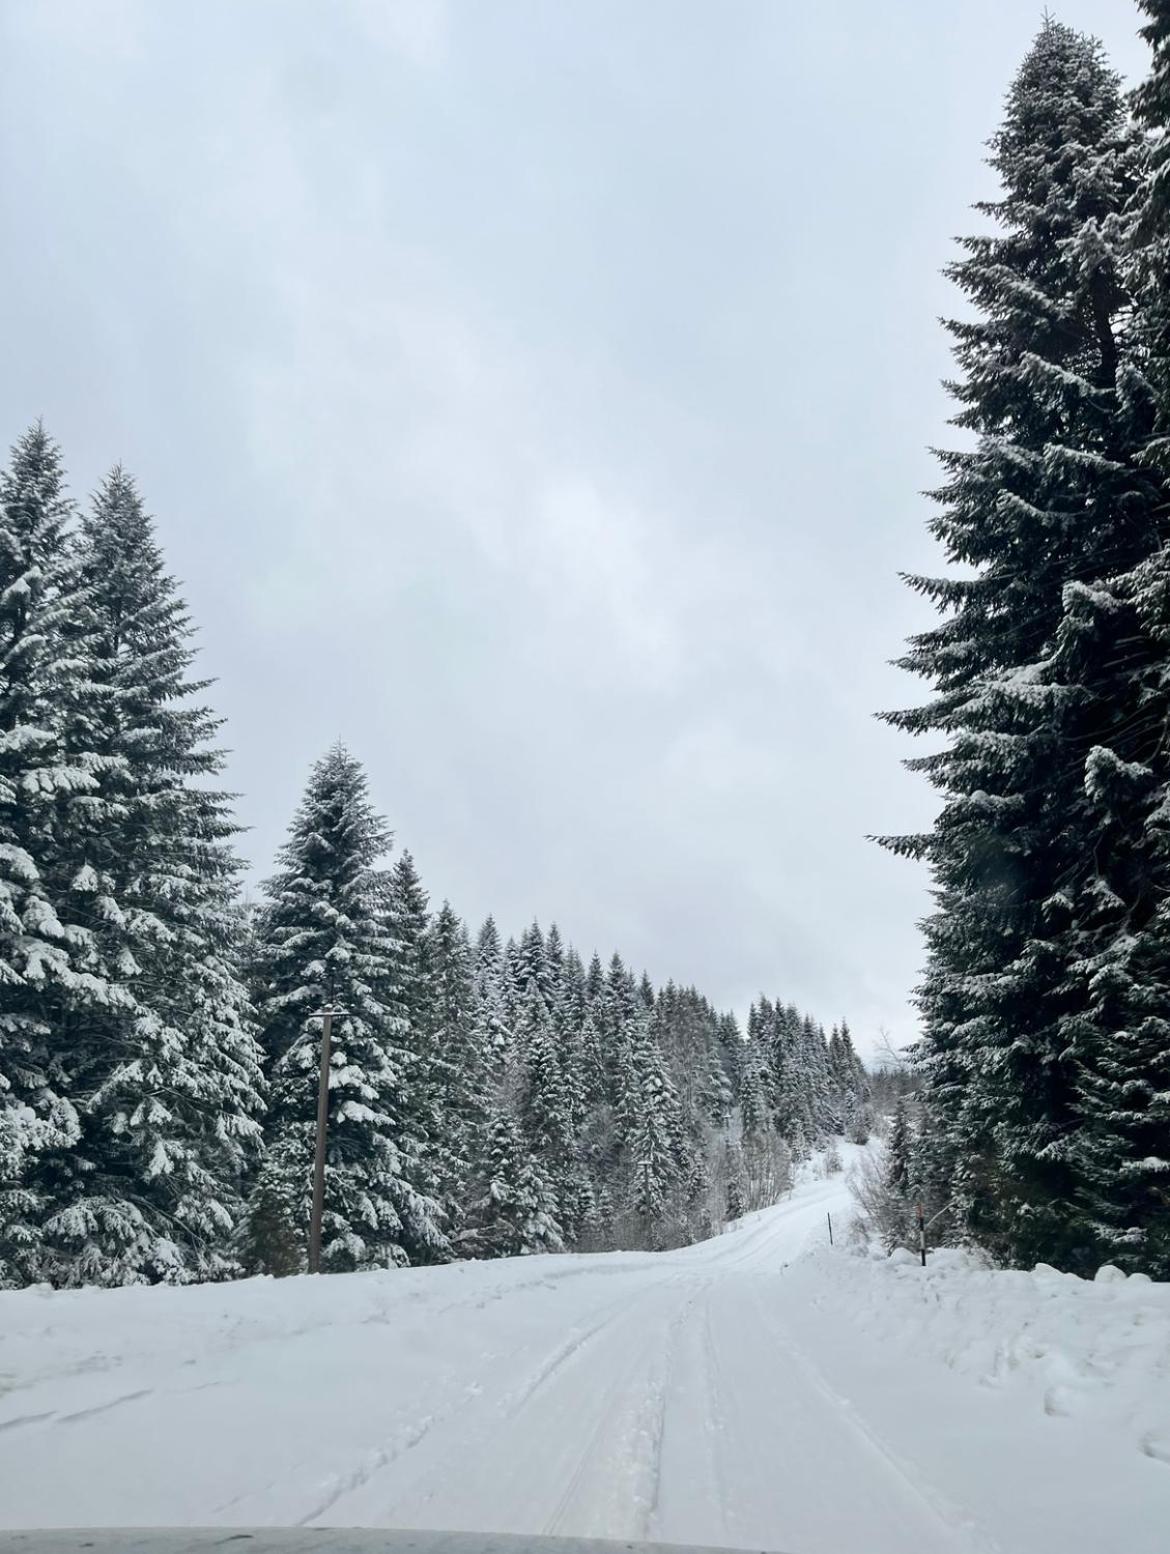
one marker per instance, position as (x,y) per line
(1039,1402)
(1062,1346)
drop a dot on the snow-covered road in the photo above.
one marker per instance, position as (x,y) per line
(677,1397)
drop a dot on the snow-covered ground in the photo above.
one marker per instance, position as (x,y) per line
(759,1390)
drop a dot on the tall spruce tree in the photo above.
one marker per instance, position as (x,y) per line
(494,1034)
(531,968)
(899,1144)
(1152,109)
(515,1213)
(792,1113)
(1117,640)
(325,939)
(458,1062)
(46,951)
(655,1143)
(546,1103)
(167,1081)
(814,1072)
(409,907)
(594,979)
(1045,947)
(408,922)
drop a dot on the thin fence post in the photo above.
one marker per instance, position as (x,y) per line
(829,1217)
(921,1233)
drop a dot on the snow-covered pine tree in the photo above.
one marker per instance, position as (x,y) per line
(932,1174)
(594,979)
(1152,236)
(531,968)
(566,1008)
(729,1046)
(687,1030)
(594,1075)
(167,1082)
(857,1113)
(494,1036)
(598,1143)
(719,1093)
(576,998)
(554,969)
(546,1107)
(626,1089)
(759,1023)
(791,1111)
(655,1135)
(753,1090)
(732,1171)
(839,1083)
(411,922)
(1036,854)
(408,922)
(603,1218)
(1116,640)
(324,940)
(46,955)
(511,981)
(615,1008)
(515,1213)
(459,1065)
(899,1145)
(813,1067)
(571,1014)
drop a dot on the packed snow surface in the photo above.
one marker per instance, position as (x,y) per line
(760,1390)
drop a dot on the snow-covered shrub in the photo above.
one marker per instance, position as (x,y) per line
(767,1171)
(831,1161)
(860,1126)
(886,1210)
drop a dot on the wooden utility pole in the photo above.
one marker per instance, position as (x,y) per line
(322,1130)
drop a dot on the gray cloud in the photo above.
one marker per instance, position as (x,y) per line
(536,396)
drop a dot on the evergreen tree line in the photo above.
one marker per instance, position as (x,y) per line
(160,1041)
(1045,1058)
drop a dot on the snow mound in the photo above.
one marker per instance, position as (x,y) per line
(1092,1352)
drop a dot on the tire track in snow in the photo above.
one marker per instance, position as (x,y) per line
(26,1421)
(346,1482)
(372,1463)
(619,1470)
(716,1419)
(648,1527)
(561,1355)
(104,1408)
(692,1498)
(480,1415)
(555,1522)
(955,1522)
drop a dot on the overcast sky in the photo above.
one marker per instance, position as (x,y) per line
(536,396)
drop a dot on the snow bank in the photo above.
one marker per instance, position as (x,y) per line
(1059,1345)
(1039,1402)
